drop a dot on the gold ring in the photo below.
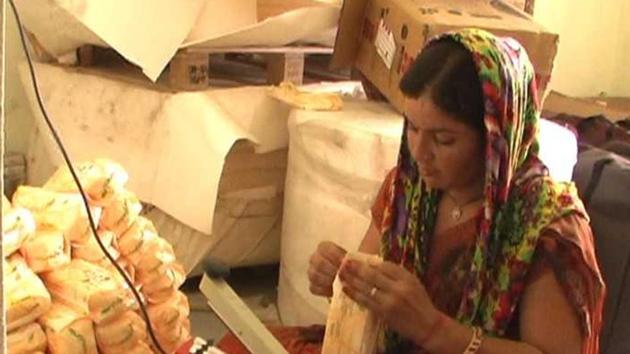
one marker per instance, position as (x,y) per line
(373,291)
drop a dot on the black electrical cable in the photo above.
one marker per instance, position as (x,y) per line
(78,183)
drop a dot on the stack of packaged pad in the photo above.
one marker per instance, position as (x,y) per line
(63,294)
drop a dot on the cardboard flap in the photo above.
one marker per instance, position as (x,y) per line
(541,46)
(472,13)
(348,34)
(614,109)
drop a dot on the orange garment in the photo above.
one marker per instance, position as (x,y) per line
(296,340)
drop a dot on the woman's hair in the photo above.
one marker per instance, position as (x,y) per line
(446,69)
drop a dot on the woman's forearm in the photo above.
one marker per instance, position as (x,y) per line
(371,242)
(453,338)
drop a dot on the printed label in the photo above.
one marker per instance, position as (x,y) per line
(385,44)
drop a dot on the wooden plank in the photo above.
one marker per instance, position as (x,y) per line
(285,67)
(86,55)
(189,71)
(262,50)
(241,321)
(90,55)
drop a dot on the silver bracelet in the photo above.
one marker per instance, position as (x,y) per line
(475,341)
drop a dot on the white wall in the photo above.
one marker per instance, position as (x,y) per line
(19,120)
(594,51)
(621,83)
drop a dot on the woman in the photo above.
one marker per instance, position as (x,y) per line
(483,252)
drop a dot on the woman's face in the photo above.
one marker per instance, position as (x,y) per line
(449,153)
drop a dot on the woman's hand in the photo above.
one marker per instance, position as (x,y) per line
(323,266)
(393,293)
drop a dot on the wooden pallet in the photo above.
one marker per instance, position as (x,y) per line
(191,68)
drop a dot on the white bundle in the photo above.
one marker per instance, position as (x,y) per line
(18,224)
(61,211)
(68,331)
(121,334)
(101,179)
(88,289)
(93,310)
(170,321)
(119,215)
(46,250)
(26,296)
(90,250)
(29,339)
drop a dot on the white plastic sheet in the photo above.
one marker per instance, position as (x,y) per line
(145,32)
(337,161)
(174,145)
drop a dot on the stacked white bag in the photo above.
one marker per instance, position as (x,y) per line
(76,301)
(27,298)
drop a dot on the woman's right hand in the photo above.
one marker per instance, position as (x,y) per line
(323,266)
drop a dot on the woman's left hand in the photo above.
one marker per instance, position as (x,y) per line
(393,293)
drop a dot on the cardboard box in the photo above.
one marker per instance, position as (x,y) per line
(381,38)
(613,108)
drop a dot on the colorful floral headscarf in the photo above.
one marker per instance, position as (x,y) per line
(520,198)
